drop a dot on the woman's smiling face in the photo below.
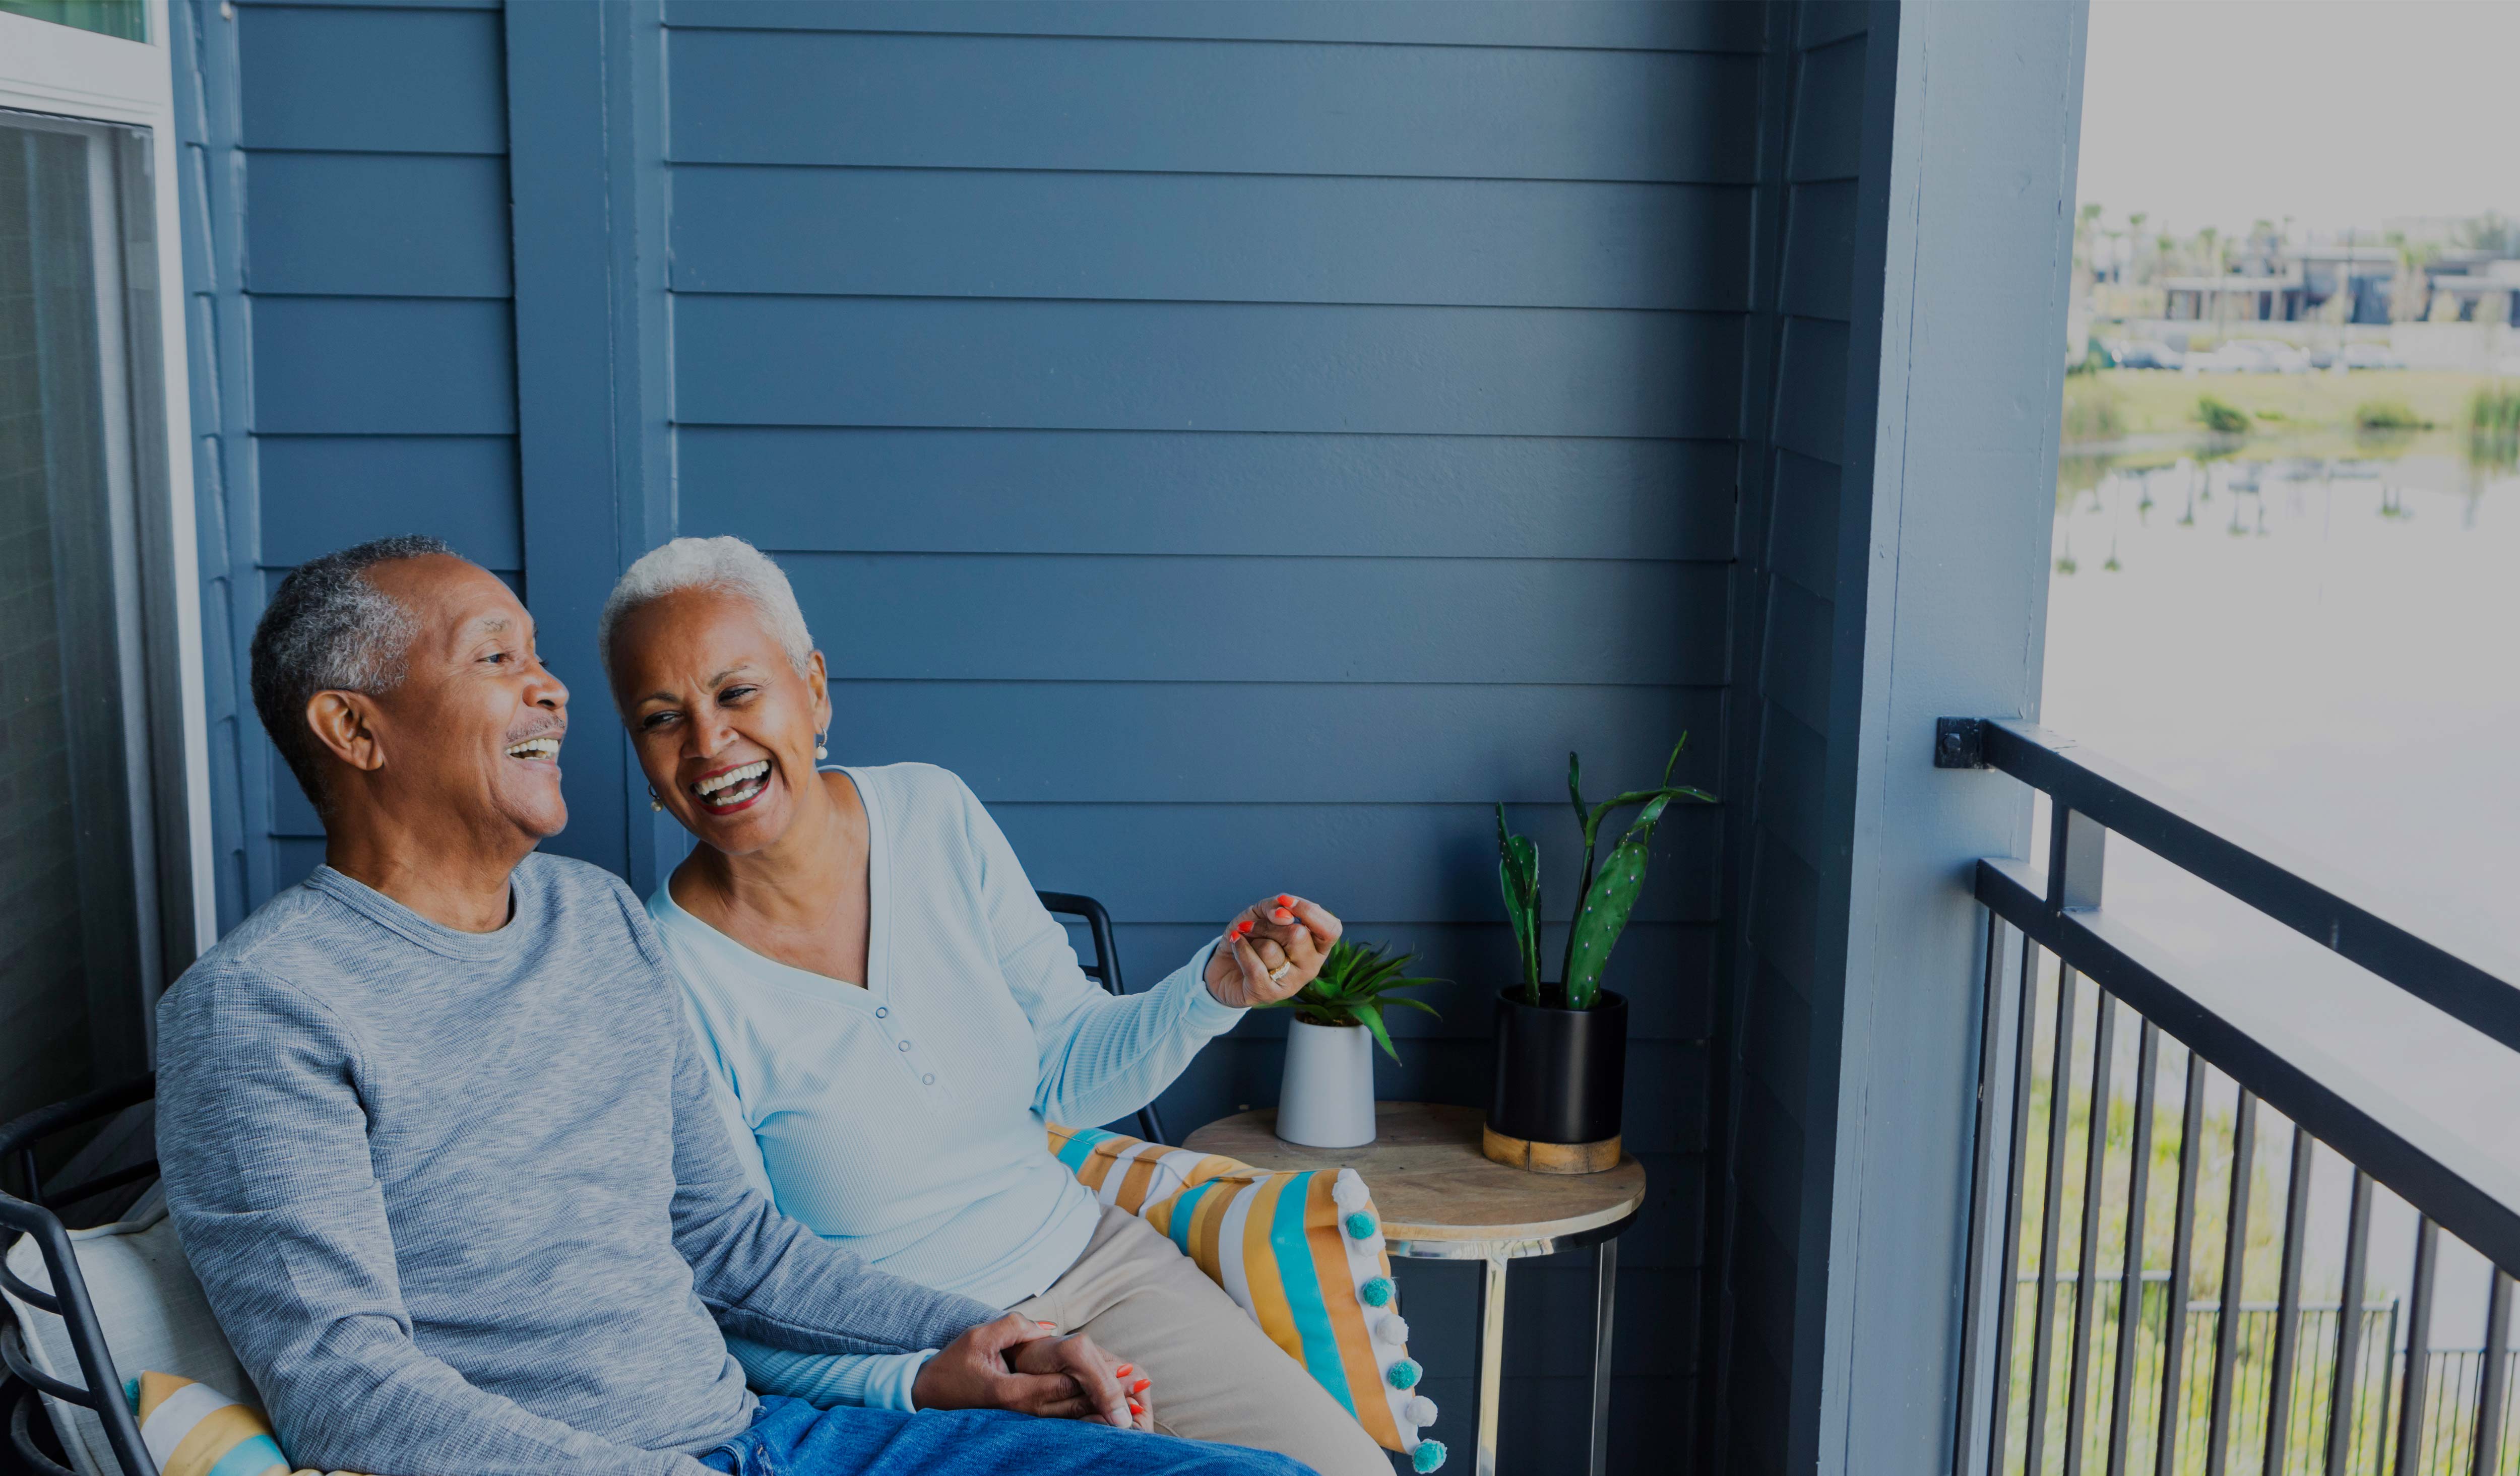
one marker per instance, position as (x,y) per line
(723,723)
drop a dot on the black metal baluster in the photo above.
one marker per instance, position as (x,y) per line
(1973,1287)
(2419,1327)
(2060,1086)
(2183,1230)
(2349,1327)
(2288,1305)
(2236,1251)
(2147,1058)
(2087,1281)
(2025,1053)
(2484,1455)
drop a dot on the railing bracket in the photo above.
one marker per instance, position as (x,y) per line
(1960,742)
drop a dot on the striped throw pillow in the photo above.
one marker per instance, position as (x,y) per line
(1301,1251)
(194,1430)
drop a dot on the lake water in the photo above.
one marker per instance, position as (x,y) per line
(2330,653)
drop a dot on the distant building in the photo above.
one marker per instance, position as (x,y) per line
(2292,284)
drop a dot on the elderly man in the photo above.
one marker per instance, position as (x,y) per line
(439,1148)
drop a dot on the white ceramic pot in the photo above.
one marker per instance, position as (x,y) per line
(1326,1099)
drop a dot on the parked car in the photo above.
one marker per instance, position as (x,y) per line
(2149,353)
(2368,356)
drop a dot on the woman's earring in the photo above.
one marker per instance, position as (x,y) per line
(655,801)
(819,749)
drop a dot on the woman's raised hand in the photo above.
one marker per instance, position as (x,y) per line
(1272,948)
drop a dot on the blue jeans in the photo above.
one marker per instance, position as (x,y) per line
(792,1438)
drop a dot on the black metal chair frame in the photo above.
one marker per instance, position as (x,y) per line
(35,1215)
(1105,971)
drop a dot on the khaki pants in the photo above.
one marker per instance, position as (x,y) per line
(1217,1376)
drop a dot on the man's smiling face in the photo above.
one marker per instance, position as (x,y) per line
(474,726)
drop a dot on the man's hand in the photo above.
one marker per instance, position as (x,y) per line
(1015,1364)
(1284,936)
(1084,1359)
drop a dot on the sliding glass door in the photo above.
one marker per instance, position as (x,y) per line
(94,891)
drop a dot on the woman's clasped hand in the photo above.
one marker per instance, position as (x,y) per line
(1018,1363)
(1272,948)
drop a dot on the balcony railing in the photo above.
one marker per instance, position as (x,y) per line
(2092,1168)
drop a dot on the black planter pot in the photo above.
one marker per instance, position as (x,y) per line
(1560,1076)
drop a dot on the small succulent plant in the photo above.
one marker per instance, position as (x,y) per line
(1354,985)
(1603,901)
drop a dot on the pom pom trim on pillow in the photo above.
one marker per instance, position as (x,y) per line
(1301,1251)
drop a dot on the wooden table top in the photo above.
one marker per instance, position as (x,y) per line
(1431,1182)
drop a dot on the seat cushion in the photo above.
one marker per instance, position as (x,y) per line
(152,1313)
(1302,1252)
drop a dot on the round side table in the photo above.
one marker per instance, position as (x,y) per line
(1442,1200)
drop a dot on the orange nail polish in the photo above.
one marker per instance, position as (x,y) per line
(1286,901)
(1124,1370)
(1045,1325)
(1142,1386)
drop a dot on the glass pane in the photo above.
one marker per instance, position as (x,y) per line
(127,19)
(71,945)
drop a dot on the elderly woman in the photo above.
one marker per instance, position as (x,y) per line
(895,1015)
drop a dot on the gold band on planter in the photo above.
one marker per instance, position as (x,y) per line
(1598,1157)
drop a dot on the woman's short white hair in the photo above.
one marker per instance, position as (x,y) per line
(729,565)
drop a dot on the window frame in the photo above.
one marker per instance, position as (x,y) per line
(81,76)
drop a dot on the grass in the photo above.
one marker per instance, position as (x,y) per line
(2494,425)
(2388,415)
(2118,403)
(2224,418)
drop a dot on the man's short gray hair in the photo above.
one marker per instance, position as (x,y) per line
(726,564)
(328,629)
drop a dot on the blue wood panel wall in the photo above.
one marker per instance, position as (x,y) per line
(1246,441)
(353,341)
(1244,456)
(1796,642)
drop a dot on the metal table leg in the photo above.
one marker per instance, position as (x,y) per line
(1491,1362)
(1604,1297)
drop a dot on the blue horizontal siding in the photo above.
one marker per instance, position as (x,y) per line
(329,492)
(1203,107)
(371,79)
(1794,791)
(384,365)
(1163,863)
(1819,243)
(1811,399)
(1795,672)
(820,361)
(1646,24)
(1424,862)
(1783,911)
(1200,492)
(1263,620)
(396,225)
(1278,743)
(1663,968)
(970,232)
(1828,123)
(1802,522)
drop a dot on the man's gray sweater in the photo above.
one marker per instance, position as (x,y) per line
(461,1200)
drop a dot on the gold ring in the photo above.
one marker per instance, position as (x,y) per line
(1281,972)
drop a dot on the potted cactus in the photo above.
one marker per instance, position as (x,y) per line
(1561,1044)
(1325,1098)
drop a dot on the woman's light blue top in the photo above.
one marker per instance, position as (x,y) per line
(905,1119)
